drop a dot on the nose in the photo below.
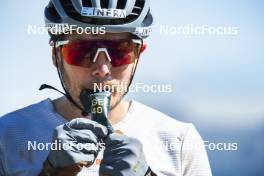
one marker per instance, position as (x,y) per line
(102,65)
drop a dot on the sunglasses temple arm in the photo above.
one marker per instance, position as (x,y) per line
(135,67)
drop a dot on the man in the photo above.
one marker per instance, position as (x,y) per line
(59,138)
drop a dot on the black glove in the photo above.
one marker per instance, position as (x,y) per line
(123,156)
(81,137)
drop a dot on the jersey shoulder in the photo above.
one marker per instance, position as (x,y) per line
(158,121)
(24,117)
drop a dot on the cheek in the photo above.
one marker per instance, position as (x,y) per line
(76,76)
(123,73)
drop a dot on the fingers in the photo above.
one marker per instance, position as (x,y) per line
(114,170)
(120,147)
(82,124)
(117,155)
(71,158)
(105,170)
(80,141)
(115,138)
(120,139)
(85,148)
(84,136)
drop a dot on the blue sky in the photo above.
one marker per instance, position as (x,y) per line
(206,71)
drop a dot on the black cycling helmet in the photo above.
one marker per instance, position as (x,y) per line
(114,15)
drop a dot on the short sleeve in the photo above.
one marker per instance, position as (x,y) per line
(2,171)
(193,155)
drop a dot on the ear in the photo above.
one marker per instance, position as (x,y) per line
(142,49)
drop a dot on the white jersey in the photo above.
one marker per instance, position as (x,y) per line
(172,148)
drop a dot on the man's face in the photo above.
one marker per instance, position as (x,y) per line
(77,78)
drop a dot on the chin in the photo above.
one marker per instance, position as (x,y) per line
(116,98)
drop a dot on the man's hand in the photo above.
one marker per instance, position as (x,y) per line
(123,156)
(79,139)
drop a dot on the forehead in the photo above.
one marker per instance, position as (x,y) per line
(106,36)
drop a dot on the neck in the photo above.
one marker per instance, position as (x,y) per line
(69,111)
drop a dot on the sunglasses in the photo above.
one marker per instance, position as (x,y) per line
(85,52)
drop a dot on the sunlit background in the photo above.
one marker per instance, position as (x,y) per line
(217,80)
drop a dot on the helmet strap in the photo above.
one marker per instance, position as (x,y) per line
(135,68)
(67,94)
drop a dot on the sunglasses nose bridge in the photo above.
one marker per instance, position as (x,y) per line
(101,67)
(103,50)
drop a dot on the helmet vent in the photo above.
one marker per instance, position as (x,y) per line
(136,10)
(51,13)
(121,4)
(87,3)
(71,12)
(104,3)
